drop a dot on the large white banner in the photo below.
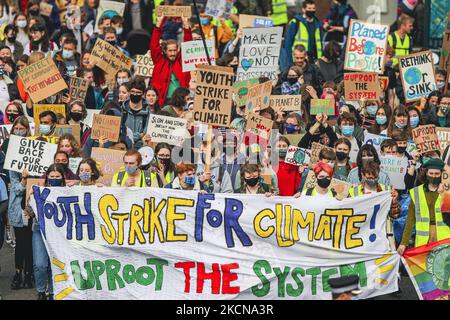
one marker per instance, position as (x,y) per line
(146,243)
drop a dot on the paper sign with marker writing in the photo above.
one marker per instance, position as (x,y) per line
(240,90)
(339,186)
(444,137)
(417,74)
(286,102)
(109,7)
(193,54)
(315,151)
(375,140)
(384,82)
(325,106)
(396,168)
(39,108)
(174,11)
(261,126)
(366,46)
(294,139)
(109,162)
(144,66)
(218,8)
(426,138)
(107,126)
(45,9)
(361,85)
(249,21)
(167,129)
(34,155)
(78,88)
(259,53)
(212,102)
(73,129)
(259,96)
(109,58)
(297,156)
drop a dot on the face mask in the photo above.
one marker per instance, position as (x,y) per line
(310,14)
(164,162)
(119,30)
(401,149)
(55,182)
(45,129)
(204,21)
(113,43)
(12,39)
(131,169)
(67,54)
(189,180)
(292,80)
(400,126)
(381,120)
(434,180)
(21,24)
(121,81)
(441,84)
(12,117)
(20,132)
(33,12)
(372,110)
(331,164)
(444,110)
(252,181)
(371,183)
(347,130)
(323,183)
(341,156)
(290,128)
(75,116)
(135,98)
(413,121)
(85,177)
(282,153)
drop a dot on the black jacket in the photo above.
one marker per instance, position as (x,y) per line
(432,118)
(147,7)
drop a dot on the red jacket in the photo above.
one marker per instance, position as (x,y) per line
(288,179)
(163,68)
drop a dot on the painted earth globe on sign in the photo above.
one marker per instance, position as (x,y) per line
(413,76)
(369,48)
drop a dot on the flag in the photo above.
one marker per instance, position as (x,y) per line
(429,269)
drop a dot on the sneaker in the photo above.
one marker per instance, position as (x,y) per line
(17,281)
(42,296)
(28,281)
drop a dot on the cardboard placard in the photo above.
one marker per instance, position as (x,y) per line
(417,74)
(341,187)
(259,96)
(426,138)
(249,21)
(366,46)
(193,54)
(108,126)
(384,82)
(297,156)
(109,7)
(444,138)
(167,129)
(259,53)
(361,85)
(325,106)
(294,139)
(286,102)
(78,88)
(260,126)
(109,162)
(34,155)
(240,90)
(39,108)
(42,79)
(396,168)
(375,140)
(212,102)
(45,9)
(73,129)
(218,8)
(144,66)
(174,11)
(109,58)
(315,151)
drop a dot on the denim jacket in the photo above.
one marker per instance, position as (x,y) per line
(17,193)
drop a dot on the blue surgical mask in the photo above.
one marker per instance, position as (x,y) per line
(204,21)
(55,182)
(119,30)
(372,110)
(21,23)
(189,180)
(399,126)
(67,54)
(122,81)
(348,130)
(45,129)
(290,128)
(413,121)
(381,120)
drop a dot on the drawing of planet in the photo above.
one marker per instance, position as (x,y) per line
(369,48)
(413,76)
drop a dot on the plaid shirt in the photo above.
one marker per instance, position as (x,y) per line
(287,88)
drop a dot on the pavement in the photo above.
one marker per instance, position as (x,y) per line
(7,273)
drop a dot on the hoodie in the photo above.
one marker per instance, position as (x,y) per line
(137,121)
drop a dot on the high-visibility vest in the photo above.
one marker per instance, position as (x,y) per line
(302,37)
(279,12)
(423,217)
(122,176)
(312,192)
(358,190)
(156,181)
(157,4)
(401,47)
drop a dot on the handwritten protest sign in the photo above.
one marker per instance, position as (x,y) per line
(417,74)
(109,162)
(249,21)
(426,138)
(174,11)
(297,156)
(396,168)
(39,108)
(218,8)
(261,126)
(107,126)
(240,90)
(259,53)
(286,102)
(212,102)
(74,163)
(315,151)
(258,96)
(4,132)
(90,117)
(144,66)
(109,58)
(193,54)
(375,140)
(361,85)
(384,82)
(444,137)
(165,256)
(294,139)
(340,187)
(325,106)
(366,46)
(33,182)
(45,9)
(78,88)
(167,129)
(42,79)
(73,129)
(34,155)
(109,7)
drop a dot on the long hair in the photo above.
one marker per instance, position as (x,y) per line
(76,150)
(45,42)
(96,173)
(163,145)
(399,111)
(22,120)
(367,149)
(349,145)
(376,128)
(55,167)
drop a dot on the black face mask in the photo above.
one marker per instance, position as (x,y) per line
(75,116)
(341,156)
(323,183)
(310,14)
(12,39)
(252,181)
(401,149)
(235,67)
(65,166)
(33,12)
(292,80)
(135,98)
(113,43)
(12,117)
(434,180)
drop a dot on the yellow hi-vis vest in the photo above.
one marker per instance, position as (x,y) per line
(358,190)
(279,12)
(423,217)
(302,37)
(313,192)
(401,47)
(157,4)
